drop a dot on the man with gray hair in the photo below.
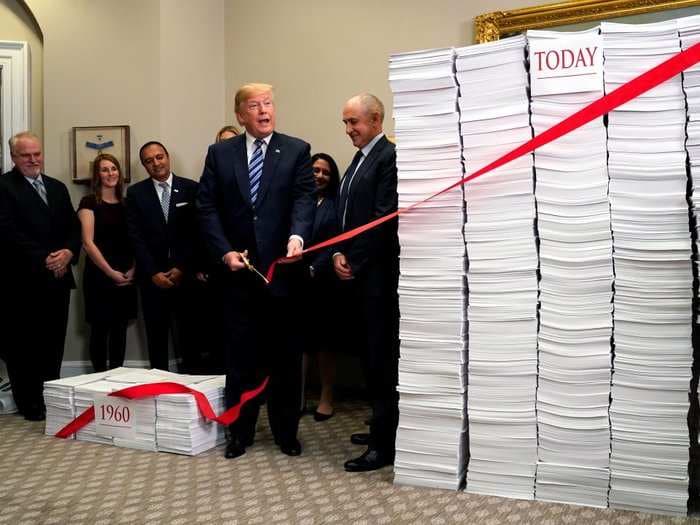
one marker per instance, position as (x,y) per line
(368,266)
(40,235)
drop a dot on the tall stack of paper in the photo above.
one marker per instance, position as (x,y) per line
(502,271)
(653,285)
(180,427)
(573,222)
(430,438)
(689,29)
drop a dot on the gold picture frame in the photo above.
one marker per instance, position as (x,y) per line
(89,141)
(492,26)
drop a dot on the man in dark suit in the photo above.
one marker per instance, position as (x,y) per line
(40,235)
(368,264)
(162,223)
(256,200)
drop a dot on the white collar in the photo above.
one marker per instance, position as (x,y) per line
(368,147)
(168,181)
(250,140)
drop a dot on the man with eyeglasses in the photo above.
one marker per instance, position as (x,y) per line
(256,203)
(40,238)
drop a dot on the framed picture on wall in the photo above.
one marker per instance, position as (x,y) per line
(90,141)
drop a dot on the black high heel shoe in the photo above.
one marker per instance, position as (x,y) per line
(318,416)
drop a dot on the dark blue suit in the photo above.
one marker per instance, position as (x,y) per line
(158,247)
(374,259)
(258,332)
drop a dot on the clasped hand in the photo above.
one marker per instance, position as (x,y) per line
(57,262)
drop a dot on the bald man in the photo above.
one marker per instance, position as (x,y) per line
(369,266)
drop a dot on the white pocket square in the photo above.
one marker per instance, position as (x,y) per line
(180,204)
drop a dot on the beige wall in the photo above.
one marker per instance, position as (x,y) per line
(156,65)
(318,53)
(168,69)
(16,24)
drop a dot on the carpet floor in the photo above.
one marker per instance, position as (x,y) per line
(44,480)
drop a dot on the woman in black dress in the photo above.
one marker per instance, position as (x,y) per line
(321,292)
(110,296)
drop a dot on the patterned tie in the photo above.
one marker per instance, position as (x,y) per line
(165,199)
(40,189)
(255,170)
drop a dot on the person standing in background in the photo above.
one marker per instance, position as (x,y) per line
(162,225)
(369,265)
(40,236)
(108,282)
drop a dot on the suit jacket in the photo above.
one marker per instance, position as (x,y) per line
(284,207)
(325,227)
(161,245)
(30,230)
(373,255)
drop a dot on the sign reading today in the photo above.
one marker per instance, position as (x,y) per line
(114,417)
(566,65)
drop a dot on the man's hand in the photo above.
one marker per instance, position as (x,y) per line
(58,260)
(342,267)
(175,275)
(201,277)
(162,281)
(234,260)
(294,250)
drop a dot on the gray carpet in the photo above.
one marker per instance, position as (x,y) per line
(51,481)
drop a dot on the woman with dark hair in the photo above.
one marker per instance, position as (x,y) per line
(110,297)
(321,279)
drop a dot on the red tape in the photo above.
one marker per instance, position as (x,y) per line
(632,89)
(157,389)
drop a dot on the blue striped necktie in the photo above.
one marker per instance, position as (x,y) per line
(255,170)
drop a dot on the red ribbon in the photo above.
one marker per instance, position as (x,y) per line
(156,389)
(632,89)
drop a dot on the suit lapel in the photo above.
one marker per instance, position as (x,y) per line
(240,167)
(365,167)
(153,201)
(272,157)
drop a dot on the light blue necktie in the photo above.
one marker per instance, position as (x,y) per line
(255,170)
(41,189)
(165,199)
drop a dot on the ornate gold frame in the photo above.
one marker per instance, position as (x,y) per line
(492,26)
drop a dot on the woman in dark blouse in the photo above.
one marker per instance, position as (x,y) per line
(321,292)
(110,296)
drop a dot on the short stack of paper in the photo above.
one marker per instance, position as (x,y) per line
(653,286)
(170,423)
(430,438)
(573,222)
(689,29)
(59,400)
(84,398)
(502,271)
(180,427)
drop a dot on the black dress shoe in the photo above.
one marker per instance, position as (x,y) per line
(318,416)
(361,438)
(234,449)
(291,447)
(372,459)
(35,415)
